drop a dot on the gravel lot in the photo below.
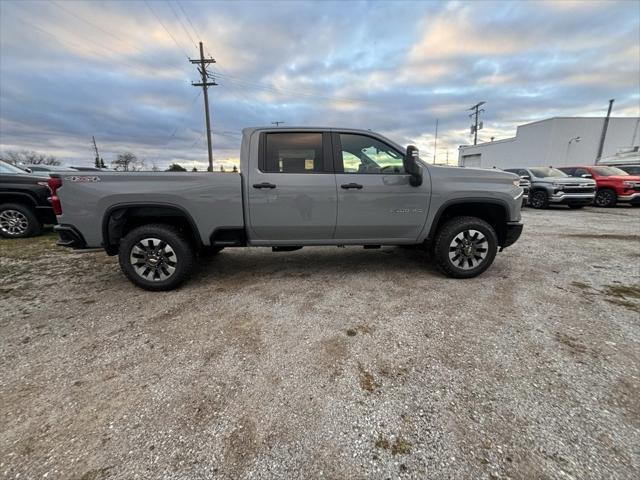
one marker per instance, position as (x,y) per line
(329,363)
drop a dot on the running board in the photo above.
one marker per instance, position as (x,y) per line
(286,248)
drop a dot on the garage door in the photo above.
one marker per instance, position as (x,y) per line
(471,160)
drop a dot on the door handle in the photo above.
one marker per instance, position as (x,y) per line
(264,185)
(347,186)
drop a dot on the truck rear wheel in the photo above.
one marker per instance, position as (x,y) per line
(156,257)
(465,247)
(18,221)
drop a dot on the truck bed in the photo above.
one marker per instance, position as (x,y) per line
(211,200)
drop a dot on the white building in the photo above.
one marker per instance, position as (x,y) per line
(556,141)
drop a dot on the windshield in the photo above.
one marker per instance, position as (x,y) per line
(542,172)
(608,171)
(8,168)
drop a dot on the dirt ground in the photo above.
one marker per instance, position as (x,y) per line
(329,363)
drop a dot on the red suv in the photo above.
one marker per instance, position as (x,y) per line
(612,184)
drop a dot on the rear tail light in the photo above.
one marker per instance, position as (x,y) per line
(54,184)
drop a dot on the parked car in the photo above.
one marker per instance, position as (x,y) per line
(24,202)
(299,187)
(552,186)
(613,184)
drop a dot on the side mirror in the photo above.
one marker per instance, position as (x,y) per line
(586,175)
(28,170)
(411,166)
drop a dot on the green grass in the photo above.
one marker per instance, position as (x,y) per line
(28,248)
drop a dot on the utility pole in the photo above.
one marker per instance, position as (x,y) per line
(435,143)
(99,162)
(277,124)
(475,127)
(204,75)
(603,135)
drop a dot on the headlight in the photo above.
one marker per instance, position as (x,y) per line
(516,183)
(627,184)
(558,186)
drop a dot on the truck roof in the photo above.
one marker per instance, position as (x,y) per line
(248,131)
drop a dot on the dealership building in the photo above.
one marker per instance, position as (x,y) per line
(557,141)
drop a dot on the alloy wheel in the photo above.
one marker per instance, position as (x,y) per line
(13,222)
(537,199)
(468,249)
(153,259)
(604,198)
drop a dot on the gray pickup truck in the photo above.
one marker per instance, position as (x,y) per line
(298,187)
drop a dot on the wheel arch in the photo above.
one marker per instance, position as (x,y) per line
(492,210)
(120,219)
(18,197)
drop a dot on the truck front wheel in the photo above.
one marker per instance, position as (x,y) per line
(539,199)
(156,257)
(465,247)
(605,198)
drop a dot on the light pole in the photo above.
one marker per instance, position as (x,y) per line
(571,140)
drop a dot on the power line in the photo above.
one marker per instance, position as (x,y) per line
(190,23)
(95,26)
(73,45)
(166,29)
(181,24)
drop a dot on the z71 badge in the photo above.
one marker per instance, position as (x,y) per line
(82,178)
(406,210)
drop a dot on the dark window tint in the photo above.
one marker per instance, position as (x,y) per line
(293,153)
(362,154)
(580,171)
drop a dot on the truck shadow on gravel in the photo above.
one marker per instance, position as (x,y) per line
(322,261)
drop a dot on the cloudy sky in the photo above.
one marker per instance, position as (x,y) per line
(119,70)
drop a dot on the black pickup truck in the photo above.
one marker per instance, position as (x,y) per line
(24,202)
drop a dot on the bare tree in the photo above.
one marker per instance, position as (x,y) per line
(127,162)
(29,157)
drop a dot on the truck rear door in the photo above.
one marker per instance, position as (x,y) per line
(292,189)
(375,200)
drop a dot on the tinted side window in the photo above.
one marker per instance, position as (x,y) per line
(569,171)
(362,154)
(579,172)
(293,153)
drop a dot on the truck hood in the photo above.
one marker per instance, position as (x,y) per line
(566,180)
(478,173)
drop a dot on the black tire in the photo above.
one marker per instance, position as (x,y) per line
(166,253)
(576,207)
(605,198)
(446,239)
(18,221)
(538,199)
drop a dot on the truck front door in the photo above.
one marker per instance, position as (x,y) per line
(375,199)
(292,190)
